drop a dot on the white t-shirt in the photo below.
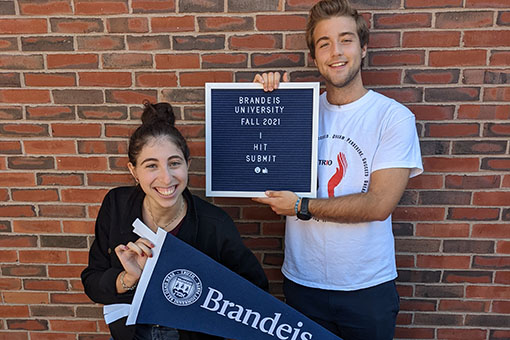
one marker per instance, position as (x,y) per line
(356,139)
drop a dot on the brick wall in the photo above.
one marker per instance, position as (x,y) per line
(73,74)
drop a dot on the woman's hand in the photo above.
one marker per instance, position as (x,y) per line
(133,257)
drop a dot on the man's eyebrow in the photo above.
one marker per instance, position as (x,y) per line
(325,37)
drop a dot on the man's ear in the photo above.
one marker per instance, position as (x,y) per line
(364,51)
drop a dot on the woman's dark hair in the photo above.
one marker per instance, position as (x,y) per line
(158,120)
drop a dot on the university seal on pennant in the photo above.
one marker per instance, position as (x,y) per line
(182,287)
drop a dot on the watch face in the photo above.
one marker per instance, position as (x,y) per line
(304,217)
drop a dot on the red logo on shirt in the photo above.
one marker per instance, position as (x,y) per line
(339,174)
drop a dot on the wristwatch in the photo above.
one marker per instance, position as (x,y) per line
(303,213)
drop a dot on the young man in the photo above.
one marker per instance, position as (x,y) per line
(339,263)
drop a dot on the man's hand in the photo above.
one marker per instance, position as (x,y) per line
(270,80)
(281,202)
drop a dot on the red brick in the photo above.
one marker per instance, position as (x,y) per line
(474,214)
(496,164)
(127,60)
(76,130)
(491,198)
(73,61)
(82,163)
(67,271)
(418,214)
(10,284)
(472,182)
(8,44)
(14,179)
(398,58)
(221,60)
(71,25)
(383,40)
(295,42)
(484,112)
(173,24)
(450,262)
(49,147)
(100,43)
(464,19)
(14,311)
(433,112)
(73,325)
(156,79)
(486,38)
(280,22)
(34,195)
(442,164)
(100,7)
(443,230)
(46,7)
(106,147)
(9,256)
(414,333)
(497,94)
(486,3)
(105,79)
(83,195)
(457,58)
(153,6)
(487,292)
(21,62)
(200,78)
(60,179)
(127,25)
(381,77)
(130,96)
(25,298)
(79,257)
(255,42)
(102,113)
(25,96)
(42,256)
(119,130)
(499,58)
(452,130)
(432,3)
(225,24)
(148,43)
(431,39)
(79,227)
(177,61)
(36,227)
(50,113)
(11,148)
(69,298)
(23,26)
(50,79)
(405,20)
(463,306)
(17,211)
(502,277)
(503,247)
(461,334)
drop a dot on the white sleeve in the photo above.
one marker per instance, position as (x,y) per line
(399,147)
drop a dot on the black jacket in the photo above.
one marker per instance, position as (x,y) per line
(205,227)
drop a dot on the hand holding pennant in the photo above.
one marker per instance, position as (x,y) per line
(183,288)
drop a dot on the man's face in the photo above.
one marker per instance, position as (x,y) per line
(338,52)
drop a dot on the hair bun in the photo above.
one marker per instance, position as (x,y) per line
(159,113)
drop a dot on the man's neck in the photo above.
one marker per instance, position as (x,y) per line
(345,95)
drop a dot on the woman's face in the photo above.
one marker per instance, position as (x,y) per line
(161,171)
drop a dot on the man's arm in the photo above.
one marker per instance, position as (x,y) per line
(384,193)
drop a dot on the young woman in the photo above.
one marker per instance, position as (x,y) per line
(159,162)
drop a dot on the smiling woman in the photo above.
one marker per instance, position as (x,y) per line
(158,160)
